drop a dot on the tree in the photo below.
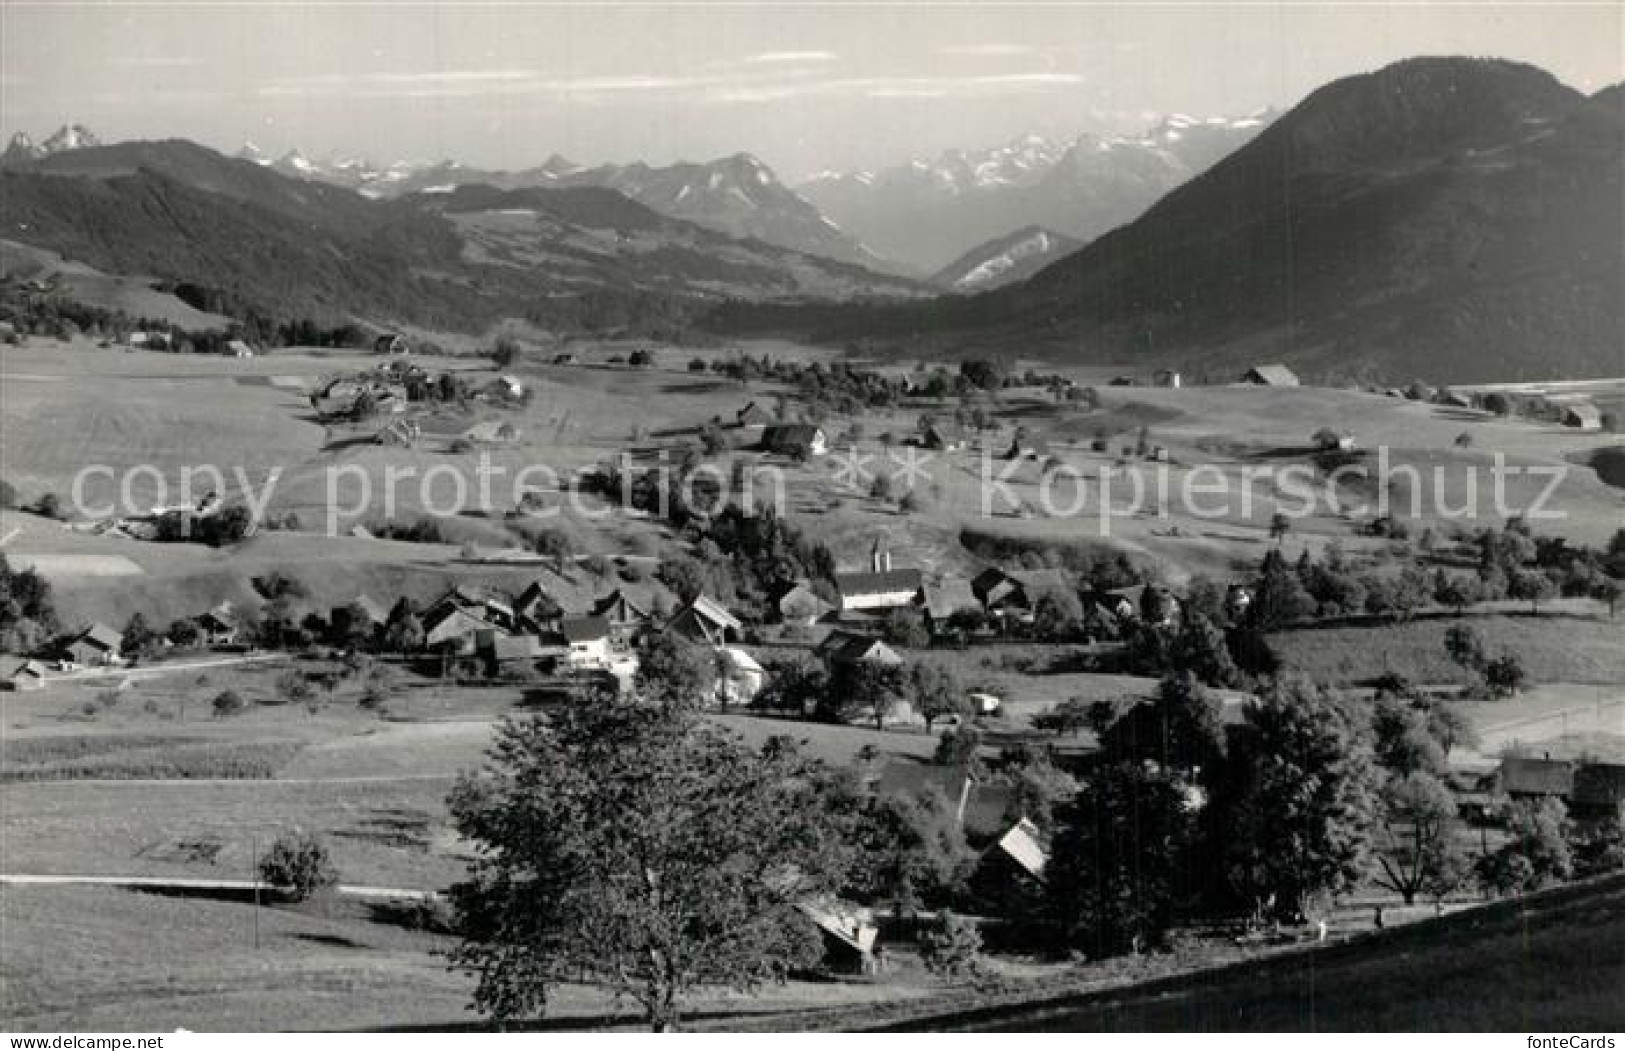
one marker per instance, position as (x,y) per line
(937,693)
(1536,852)
(138,639)
(298,866)
(1466,647)
(1305,802)
(1064,718)
(1532,587)
(635,846)
(227,703)
(906,628)
(1608,591)
(872,688)
(1201,649)
(674,671)
(1280,597)
(951,948)
(982,373)
(1418,851)
(1505,674)
(294,687)
(1119,856)
(505,351)
(1058,614)
(911,849)
(1280,525)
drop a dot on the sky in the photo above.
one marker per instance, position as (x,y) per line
(804,87)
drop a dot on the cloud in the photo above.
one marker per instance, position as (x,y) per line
(768,58)
(988,50)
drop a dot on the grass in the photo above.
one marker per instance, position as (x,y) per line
(100,960)
(1555,963)
(1554,649)
(68,759)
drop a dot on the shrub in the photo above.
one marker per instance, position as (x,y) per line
(298,866)
(227,703)
(952,948)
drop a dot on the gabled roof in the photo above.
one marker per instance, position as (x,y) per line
(713,611)
(1521,775)
(1587,413)
(1025,846)
(584,629)
(740,662)
(884,582)
(791,434)
(845,647)
(1272,375)
(33,669)
(945,597)
(617,606)
(442,614)
(102,636)
(841,922)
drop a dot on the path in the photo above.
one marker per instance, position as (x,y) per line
(178,883)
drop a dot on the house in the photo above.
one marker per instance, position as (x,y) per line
(704,620)
(29,675)
(1270,376)
(1583,416)
(1022,849)
(943,437)
(1453,400)
(492,432)
(400,433)
(96,647)
(506,386)
(741,676)
(589,640)
(942,599)
(753,415)
(845,649)
(797,603)
(1166,378)
(565,359)
(152,340)
(986,704)
(1152,603)
(1328,440)
(536,609)
(1001,592)
(236,348)
(849,937)
(452,629)
(881,587)
(795,439)
(1238,599)
(219,625)
(1524,777)
(501,651)
(482,605)
(391,344)
(626,618)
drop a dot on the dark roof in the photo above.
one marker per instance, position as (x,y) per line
(583,629)
(1272,375)
(845,647)
(781,434)
(616,604)
(884,582)
(101,635)
(1536,777)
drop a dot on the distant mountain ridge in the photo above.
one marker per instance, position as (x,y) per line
(247,239)
(929,212)
(736,195)
(1451,218)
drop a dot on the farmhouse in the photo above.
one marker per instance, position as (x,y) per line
(536,609)
(1166,378)
(391,343)
(237,348)
(1524,777)
(849,939)
(1020,850)
(706,621)
(741,676)
(452,629)
(588,639)
(943,437)
(501,652)
(795,439)
(753,415)
(219,625)
(492,432)
(96,647)
(29,675)
(1000,592)
(1583,416)
(626,618)
(845,649)
(1270,376)
(881,587)
(942,599)
(506,386)
(798,603)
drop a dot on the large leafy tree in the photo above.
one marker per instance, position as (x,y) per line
(1418,850)
(1305,799)
(1116,873)
(633,845)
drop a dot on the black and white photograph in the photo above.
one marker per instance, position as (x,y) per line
(521,520)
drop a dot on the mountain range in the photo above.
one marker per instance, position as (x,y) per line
(1451,218)
(244,238)
(928,212)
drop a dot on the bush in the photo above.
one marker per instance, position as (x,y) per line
(227,703)
(952,948)
(298,866)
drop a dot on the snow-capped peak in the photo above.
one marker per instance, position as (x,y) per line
(70,137)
